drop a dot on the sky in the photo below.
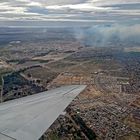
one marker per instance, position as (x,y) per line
(68,12)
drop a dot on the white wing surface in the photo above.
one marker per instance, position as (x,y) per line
(29,117)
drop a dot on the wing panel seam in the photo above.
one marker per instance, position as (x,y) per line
(7,136)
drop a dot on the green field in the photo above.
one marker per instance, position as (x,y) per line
(3,71)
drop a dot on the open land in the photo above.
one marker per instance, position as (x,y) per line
(108,109)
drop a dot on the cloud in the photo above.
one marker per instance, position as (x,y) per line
(59,2)
(79,7)
(70,10)
(108,21)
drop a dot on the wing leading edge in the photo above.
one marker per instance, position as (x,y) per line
(29,117)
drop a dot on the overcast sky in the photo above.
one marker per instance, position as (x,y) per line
(35,12)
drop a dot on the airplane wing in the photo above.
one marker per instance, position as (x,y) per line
(29,117)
